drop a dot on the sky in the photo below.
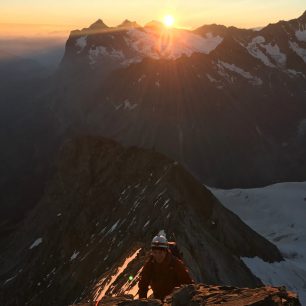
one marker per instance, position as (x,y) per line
(58,17)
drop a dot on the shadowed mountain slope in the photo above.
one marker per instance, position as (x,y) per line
(104,203)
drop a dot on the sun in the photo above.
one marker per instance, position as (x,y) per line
(168,21)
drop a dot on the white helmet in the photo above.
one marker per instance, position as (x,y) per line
(159,242)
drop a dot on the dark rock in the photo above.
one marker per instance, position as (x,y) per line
(103,204)
(197,295)
(143,302)
(99,24)
(181,297)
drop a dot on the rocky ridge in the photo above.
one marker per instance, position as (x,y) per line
(201,294)
(92,227)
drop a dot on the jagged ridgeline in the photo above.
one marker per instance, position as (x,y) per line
(227,103)
(93,226)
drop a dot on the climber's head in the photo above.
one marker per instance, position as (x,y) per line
(159,247)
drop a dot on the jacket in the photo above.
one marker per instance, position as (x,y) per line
(163,277)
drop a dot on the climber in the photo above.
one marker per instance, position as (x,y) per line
(163,271)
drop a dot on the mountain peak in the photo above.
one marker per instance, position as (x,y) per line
(154,24)
(128,24)
(99,24)
(216,29)
(303,17)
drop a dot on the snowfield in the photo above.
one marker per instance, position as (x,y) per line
(170,44)
(150,43)
(277,212)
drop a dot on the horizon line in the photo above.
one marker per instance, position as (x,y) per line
(74,27)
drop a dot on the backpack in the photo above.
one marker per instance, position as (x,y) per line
(175,251)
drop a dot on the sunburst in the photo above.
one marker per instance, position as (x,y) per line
(169,21)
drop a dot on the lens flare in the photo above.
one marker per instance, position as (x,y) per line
(168,21)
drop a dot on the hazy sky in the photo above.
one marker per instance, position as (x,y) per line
(64,15)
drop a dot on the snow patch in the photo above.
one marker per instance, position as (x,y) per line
(254,49)
(247,75)
(222,72)
(283,273)
(166,203)
(102,230)
(301,35)
(211,79)
(113,227)
(51,272)
(158,180)
(278,213)
(298,50)
(74,255)
(101,52)
(169,44)
(141,78)
(36,243)
(81,43)
(10,279)
(293,72)
(274,51)
(126,105)
(148,43)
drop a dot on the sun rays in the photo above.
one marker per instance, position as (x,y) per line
(168,21)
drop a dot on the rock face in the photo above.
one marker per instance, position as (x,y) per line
(92,227)
(201,294)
